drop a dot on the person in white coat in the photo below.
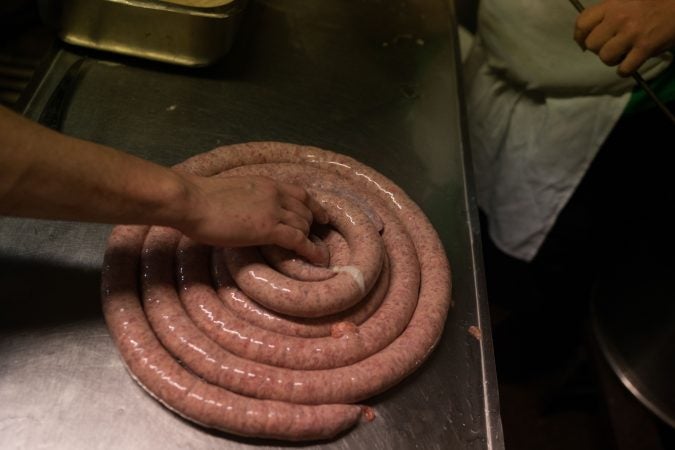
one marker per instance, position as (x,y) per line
(571,159)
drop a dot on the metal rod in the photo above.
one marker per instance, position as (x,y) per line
(638,78)
(577,4)
(653,96)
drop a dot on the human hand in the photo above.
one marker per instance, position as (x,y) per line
(627,32)
(243,211)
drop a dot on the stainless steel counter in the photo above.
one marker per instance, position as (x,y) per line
(375,80)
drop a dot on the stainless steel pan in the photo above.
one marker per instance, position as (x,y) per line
(184,32)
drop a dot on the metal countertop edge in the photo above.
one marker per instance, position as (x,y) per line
(36,84)
(493,422)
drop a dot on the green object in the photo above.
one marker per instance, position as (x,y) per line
(663,86)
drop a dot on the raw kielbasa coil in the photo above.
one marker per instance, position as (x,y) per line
(258,343)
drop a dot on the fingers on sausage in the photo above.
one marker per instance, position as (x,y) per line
(196,342)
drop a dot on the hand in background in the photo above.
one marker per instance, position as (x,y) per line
(627,32)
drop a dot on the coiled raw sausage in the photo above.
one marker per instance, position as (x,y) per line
(191,343)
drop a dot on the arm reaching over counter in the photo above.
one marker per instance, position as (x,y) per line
(48,175)
(627,32)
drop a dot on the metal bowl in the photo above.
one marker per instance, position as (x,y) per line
(633,320)
(184,32)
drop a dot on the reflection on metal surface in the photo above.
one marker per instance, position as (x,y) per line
(178,32)
(308,72)
(634,324)
(53,113)
(200,3)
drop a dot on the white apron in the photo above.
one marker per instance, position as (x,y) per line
(539,109)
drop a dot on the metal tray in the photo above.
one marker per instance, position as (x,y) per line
(183,32)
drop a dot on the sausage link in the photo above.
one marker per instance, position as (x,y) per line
(246,377)
(246,309)
(314,299)
(160,375)
(218,366)
(205,308)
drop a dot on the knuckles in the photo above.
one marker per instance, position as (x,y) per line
(297,238)
(302,195)
(608,57)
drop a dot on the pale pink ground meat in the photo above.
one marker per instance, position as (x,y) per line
(291,366)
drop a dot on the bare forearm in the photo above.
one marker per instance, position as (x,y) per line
(44,174)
